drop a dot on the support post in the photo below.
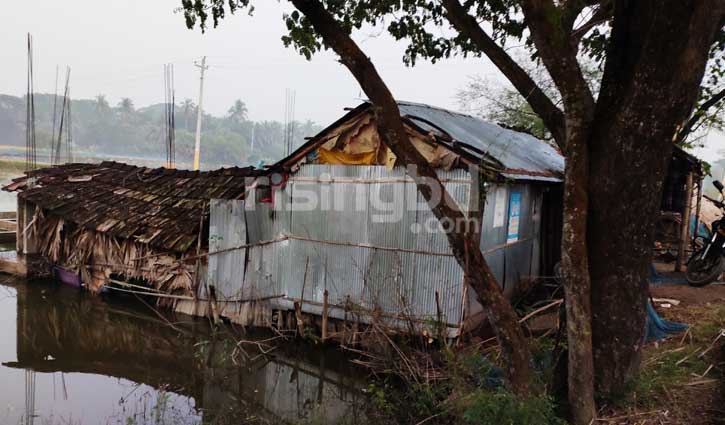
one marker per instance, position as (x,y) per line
(30,264)
(20,226)
(685,230)
(300,320)
(698,206)
(325,307)
(476,203)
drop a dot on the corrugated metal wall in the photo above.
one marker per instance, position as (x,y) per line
(227,229)
(511,261)
(363,242)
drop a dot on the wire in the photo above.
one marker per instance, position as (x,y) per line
(30,146)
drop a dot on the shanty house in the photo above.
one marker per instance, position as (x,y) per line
(338,229)
(113,222)
(336,234)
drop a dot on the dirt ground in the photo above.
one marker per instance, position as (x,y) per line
(704,403)
(688,297)
(694,393)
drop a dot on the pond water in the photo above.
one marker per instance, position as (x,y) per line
(72,358)
(8,171)
(7,200)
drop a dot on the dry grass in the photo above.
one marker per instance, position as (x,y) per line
(97,256)
(681,377)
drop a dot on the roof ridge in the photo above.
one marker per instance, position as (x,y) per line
(438,108)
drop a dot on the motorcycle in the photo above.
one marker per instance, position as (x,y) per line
(706,264)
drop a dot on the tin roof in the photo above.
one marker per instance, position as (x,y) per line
(158,206)
(519,155)
(522,155)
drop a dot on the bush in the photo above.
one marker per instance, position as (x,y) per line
(499,407)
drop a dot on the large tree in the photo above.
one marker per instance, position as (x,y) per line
(617,145)
(102,106)
(238,112)
(336,34)
(188,108)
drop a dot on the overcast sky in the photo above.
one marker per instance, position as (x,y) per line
(118,48)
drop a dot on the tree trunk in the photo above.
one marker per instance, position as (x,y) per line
(390,127)
(577,285)
(656,59)
(655,63)
(559,55)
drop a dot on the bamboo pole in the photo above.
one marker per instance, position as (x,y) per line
(685,229)
(325,307)
(298,316)
(698,206)
(153,294)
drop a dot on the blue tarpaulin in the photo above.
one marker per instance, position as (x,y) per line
(658,279)
(657,328)
(702,230)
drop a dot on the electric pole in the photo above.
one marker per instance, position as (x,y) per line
(197,145)
(253,129)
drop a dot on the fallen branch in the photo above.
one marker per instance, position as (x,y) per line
(700,382)
(712,345)
(539,310)
(630,416)
(679,362)
(153,294)
(707,371)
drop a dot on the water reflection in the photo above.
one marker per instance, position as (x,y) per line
(80,359)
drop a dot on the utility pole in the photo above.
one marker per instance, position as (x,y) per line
(253,129)
(203,67)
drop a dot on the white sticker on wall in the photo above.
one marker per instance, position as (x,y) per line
(499,207)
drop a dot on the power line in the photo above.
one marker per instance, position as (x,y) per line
(30,146)
(69,127)
(64,119)
(55,109)
(289,120)
(169,115)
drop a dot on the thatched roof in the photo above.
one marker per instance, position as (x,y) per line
(156,206)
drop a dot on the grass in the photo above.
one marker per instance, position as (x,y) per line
(12,164)
(667,369)
(672,380)
(10,168)
(677,384)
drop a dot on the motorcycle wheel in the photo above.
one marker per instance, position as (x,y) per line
(701,272)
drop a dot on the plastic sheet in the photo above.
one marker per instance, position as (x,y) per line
(657,328)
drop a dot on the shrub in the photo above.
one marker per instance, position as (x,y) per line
(499,407)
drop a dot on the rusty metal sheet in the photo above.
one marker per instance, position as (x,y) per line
(524,155)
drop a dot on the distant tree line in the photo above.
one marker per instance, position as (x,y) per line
(100,129)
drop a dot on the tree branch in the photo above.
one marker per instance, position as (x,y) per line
(467,252)
(553,42)
(698,115)
(601,15)
(467,25)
